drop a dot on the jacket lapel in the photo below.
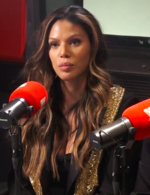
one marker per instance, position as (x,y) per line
(72,174)
(73,169)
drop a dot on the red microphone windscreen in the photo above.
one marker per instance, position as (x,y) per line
(33,93)
(139,116)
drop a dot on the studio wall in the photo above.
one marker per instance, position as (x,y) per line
(12,30)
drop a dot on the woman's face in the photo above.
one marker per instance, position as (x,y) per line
(69,50)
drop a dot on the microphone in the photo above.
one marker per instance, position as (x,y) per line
(27,99)
(135,121)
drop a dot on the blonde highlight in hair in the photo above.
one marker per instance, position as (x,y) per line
(50,120)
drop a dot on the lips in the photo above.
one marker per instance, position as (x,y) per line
(65,64)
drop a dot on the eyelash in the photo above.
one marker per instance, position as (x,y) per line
(52,44)
(78,41)
(73,41)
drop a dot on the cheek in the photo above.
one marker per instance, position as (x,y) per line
(85,51)
(84,56)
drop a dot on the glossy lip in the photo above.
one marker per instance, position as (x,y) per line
(65,64)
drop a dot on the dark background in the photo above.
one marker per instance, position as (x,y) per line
(128,63)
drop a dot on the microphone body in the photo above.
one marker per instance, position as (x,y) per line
(134,124)
(12,112)
(26,100)
(108,135)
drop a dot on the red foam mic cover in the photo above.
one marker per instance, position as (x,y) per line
(33,93)
(139,116)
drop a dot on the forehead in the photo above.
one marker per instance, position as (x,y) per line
(65,27)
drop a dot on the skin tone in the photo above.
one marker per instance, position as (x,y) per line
(69,52)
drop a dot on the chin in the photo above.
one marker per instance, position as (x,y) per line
(66,78)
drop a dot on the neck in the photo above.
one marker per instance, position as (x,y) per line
(72,91)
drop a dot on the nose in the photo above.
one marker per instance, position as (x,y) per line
(64,51)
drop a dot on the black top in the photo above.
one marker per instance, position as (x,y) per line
(68,173)
(143,179)
(59,187)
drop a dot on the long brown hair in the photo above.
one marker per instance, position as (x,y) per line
(37,132)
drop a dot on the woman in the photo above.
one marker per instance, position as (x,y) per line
(58,155)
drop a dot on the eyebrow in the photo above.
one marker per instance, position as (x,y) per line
(75,35)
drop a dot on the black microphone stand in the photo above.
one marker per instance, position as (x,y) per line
(120,166)
(17,151)
(17,157)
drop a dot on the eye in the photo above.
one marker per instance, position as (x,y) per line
(75,41)
(53,45)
